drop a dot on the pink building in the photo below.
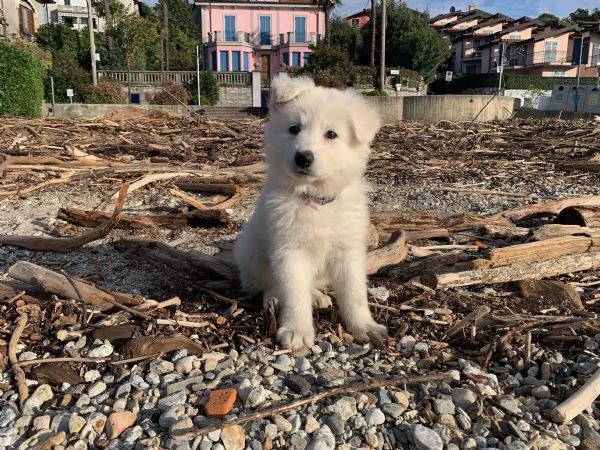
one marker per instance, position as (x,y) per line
(240,36)
(359,19)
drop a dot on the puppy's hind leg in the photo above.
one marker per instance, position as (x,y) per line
(349,279)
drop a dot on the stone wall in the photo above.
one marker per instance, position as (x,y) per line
(235,96)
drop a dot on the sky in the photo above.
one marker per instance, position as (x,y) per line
(514,9)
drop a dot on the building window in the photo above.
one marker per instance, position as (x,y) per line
(550,51)
(69,21)
(514,37)
(596,55)
(230,34)
(471,68)
(559,73)
(67,2)
(26,25)
(355,23)
(286,58)
(246,66)
(235,61)
(487,31)
(213,61)
(300,29)
(306,58)
(264,30)
(224,61)
(296,59)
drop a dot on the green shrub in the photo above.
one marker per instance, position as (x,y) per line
(209,89)
(67,74)
(461,82)
(21,82)
(171,93)
(375,93)
(105,92)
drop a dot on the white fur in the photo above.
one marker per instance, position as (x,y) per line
(288,249)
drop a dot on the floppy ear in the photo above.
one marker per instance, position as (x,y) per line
(285,89)
(365,119)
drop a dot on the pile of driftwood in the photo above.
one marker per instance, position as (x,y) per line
(424,259)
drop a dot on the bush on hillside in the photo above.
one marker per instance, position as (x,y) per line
(105,92)
(171,93)
(21,82)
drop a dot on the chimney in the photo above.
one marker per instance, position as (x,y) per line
(472,6)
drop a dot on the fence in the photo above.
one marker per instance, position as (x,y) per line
(155,78)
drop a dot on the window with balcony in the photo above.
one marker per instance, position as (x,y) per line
(236,61)
(230,34)
(550,51)
(26,25)
(224,61)
(246,65)
(300,29)
(264,30)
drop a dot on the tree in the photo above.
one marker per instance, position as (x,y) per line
(548,19)
(423,51)
(345,37)
(327,6)
(67,74)
(183,36)
(581,15)
(372,19)
(164,35)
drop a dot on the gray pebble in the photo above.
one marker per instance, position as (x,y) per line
(336,423)
(323,439)
(374,416)
(177,398)
(426,439)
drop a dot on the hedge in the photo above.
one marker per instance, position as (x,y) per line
(511,81)
(21,83)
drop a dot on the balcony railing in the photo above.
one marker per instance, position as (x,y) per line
(262,38)
(469,53)
(544,58)
(155,78)
(77,10)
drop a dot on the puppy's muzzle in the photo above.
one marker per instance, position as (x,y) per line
(304,160)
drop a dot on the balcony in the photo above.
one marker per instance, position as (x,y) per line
(72,10)
(469,53)
(262,39)
(545,58)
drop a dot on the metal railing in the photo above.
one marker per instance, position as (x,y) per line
(471,53)
(550,57)
(155,78)
(63,9)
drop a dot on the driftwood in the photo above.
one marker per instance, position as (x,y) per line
(580,400)
(584,216)
(392,252)
(554,230)
(535,251)
(66,244)
(514,272)
(546,208)
(58,284)
(410,221)
(208,186)
(195,219)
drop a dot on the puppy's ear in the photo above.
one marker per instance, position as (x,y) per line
(365,119)
(285,89)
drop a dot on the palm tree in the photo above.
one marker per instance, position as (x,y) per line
(327,6)
(165,36)
(372,19)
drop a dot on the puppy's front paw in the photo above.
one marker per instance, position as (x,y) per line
(296,337)
(320,300)
(359,332)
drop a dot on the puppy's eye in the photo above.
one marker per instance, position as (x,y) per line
(330,134)
(294,129)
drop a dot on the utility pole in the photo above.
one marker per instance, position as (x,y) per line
(373,28)
(92,42)
(501,72)
(382,53)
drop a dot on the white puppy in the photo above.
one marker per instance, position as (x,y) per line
(309,229)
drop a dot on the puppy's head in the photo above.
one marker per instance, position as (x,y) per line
(318,136)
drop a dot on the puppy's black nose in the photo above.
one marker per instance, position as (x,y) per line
(304,159)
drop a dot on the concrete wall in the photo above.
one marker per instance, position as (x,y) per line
(433,108)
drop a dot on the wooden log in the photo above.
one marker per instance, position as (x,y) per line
(58,284)
(392,252)
(576,403)
(584,216)
(588,166)
(515,272)
(496,231)
(409,221)
(209,186)
(554,230)
(196,219)
(546,208)
(534,251)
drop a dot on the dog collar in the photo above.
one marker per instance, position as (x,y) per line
(315,202)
